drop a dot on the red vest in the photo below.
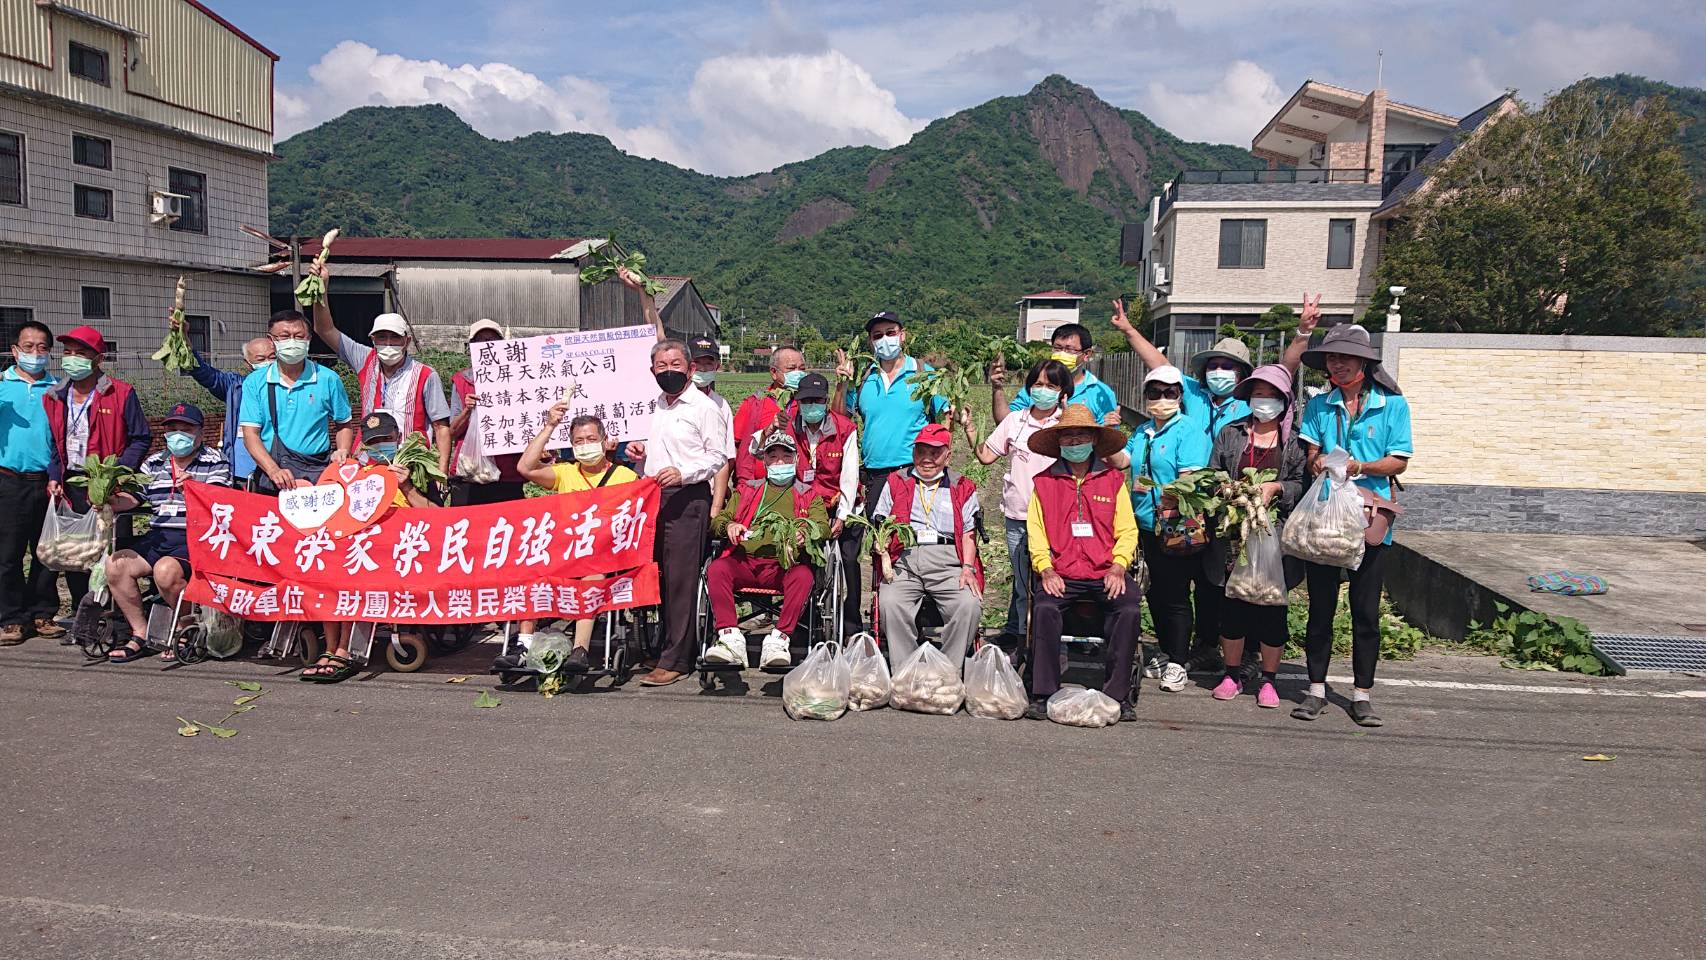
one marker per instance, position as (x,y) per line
(825,467)
(755,414)
(107,436)
(901,486)
(412,420)
(752,494)
(1080,558)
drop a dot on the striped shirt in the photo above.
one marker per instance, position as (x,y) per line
(165,492)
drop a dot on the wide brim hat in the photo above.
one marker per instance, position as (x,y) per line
(1350,340)
(1229,348)
(1046,442)
(1273,374)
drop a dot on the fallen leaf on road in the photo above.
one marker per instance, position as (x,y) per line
(455,679)
(251,698)
(485,699)
(247,686)
(223,733)
(1602,757)
(188,729)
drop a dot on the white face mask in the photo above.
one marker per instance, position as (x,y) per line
(589,453)
(390,354)
(1267,408)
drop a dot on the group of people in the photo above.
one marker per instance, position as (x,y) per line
(864,458)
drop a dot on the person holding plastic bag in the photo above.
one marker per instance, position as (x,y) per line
(1083,537)
(1262,439)
(478,478)
(1366,417)
(28,601)
(163,553)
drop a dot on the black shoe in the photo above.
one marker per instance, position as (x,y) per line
(1363,713)
(1309,709)
(1128,712)
(575,662)
(1036,710)
(511,660)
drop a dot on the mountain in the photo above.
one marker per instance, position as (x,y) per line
(1017,195)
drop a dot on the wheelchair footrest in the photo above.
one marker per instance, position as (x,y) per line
(715,666)
(776,671)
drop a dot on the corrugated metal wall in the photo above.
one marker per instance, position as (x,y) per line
(521,295)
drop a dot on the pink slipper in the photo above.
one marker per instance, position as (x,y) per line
(1229,689)
(1267,696)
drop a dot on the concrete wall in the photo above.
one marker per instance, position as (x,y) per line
(1296,258)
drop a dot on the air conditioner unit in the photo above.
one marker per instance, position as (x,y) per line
(165,207)
(1318,154)
(1160,279)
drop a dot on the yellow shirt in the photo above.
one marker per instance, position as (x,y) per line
(570,478)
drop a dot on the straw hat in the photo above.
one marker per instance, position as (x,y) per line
(1046,442)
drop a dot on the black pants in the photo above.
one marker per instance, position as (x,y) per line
(466,494)
(1208,600)
(1169,597)
(1122,620)
(683,533)
(24,599)
(852,543)
(1247,621)
(1367,582)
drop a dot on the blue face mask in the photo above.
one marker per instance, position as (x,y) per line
(1045,398)
(382,452)
(886,348)
(781,474)
(792,379)
(1221,382)
(813,413)
(1076,452)
(180,444)
(76,367)
(32,363)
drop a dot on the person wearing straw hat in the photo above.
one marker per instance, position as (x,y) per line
(1083,537)
(1366,415)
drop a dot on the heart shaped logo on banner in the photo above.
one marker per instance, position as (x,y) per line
(308,508)
(368,494)
(347,471)
(368,491)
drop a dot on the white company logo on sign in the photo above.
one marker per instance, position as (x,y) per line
(603,373)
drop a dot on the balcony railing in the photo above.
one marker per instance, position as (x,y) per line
(1170,194)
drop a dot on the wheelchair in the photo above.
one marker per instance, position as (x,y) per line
(818,621)
(627,636)
(191,632)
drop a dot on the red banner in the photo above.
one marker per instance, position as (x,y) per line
(461,558)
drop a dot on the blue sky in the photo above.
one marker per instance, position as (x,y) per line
(736,88)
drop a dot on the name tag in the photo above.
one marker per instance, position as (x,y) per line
(926,537)
(1083,530)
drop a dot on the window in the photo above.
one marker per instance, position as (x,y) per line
(93,202)
(97,303)
(1341,241)
(12,168)
(90,151)
(12,319)
(90,63)
(193,187)
(1243,244)
(196,326)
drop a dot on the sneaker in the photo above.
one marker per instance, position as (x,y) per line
(774,653)
(11,635)
(1309,709)
(47,629)
(730,648)
(513,658)
(1174,678)
(1036,710)
(1152,669)
(575,662)
(1362,712)
(1128,712)
(1267,696)
(1229,689)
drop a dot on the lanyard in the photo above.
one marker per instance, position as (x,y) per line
(762,500)
(79,412)
(927,502)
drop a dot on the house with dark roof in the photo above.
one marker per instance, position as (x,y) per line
(1224,246)
(684,312)
(1040,314)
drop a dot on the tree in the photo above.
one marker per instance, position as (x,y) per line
(1576,218)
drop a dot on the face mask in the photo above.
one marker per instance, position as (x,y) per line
(390,355)
(1267,408)
(180,444)
(290,352)
(1069,359)
(76,367)
(671,382)
(1076,452)
(813,413)
(886,348)
(780,474)
(1045,398)
(792,379)
(1163,410)
(589,453)
(382,452)
(31,363)
(704,378)
(1348,384)
(1221,382)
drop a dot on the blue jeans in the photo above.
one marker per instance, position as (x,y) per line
(1019,556)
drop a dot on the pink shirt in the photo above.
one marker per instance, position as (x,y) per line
(1012,439)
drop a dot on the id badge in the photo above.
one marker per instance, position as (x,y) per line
(1083,530)
(927,537)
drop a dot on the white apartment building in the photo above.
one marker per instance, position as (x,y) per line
(134,141)
(1040,314)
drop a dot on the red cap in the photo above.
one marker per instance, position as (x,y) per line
(934,435)
(87,336)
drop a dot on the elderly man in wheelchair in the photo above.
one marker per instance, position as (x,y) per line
(773,528)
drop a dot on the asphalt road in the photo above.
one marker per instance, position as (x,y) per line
(390,818)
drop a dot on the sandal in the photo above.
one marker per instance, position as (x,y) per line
(316,670)
(132,651)
(342,668)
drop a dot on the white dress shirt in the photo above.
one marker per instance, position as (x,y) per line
(693,435)
(849,482)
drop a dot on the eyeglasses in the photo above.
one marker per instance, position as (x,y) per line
(1158,393)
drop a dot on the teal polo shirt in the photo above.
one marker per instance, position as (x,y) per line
(1210,412)
(1380,429)
(306,408)
(890,418)
(1092,393)
(24,436)
(1162,455)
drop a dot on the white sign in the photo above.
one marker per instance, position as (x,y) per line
(603,373)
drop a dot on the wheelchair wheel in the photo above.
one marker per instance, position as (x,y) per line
(707,680)
(411,657)
(444,641)
(188,648)
(309,645)
(100,641)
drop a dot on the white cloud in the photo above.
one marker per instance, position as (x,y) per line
(1546,56)
(1231,111)
(757,112)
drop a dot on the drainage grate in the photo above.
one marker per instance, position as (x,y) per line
(1626,652)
